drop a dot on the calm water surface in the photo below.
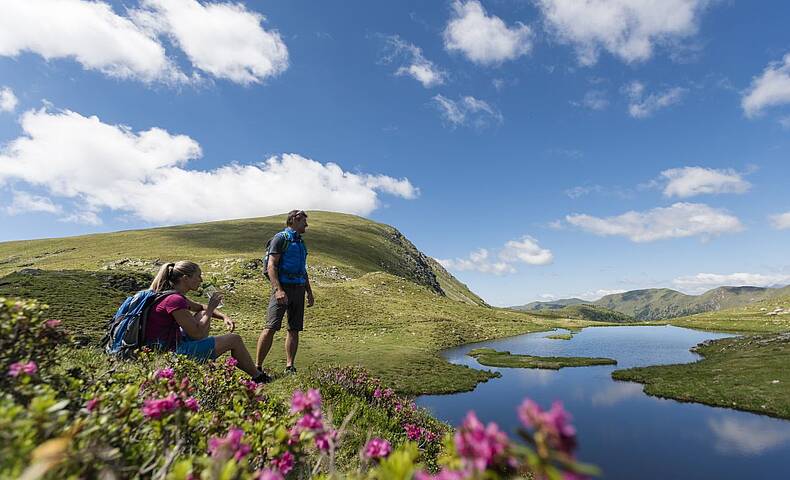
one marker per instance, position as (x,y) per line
(625,432)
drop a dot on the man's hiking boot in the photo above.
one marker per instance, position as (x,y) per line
(290,370)
(262,377)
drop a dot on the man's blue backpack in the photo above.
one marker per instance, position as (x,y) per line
(126,330)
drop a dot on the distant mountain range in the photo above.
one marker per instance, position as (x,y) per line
(662,303)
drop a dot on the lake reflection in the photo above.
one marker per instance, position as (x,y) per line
(622,430)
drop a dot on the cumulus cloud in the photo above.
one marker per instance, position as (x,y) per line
(223,40)
(8,100)
(24,202)
(524,250)
(676,221)
(781,221)
(103,166)
(484,39)
(627,29)
(770,89)
(467,111)
(643,106)
(89,32)
(689,181)
(478,261)
(413,63)
(594,100)
(702,282)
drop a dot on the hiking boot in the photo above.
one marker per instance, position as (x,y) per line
(262,377)
(290,370)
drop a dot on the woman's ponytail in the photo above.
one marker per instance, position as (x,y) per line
(170,273)
(162,280)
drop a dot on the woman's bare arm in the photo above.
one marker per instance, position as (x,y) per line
(195,328)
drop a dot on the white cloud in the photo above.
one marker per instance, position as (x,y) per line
(477,261)
(627,29)
(781,221)
(770,89)
(416,65)
(676,221)
(24,202)
(144,173)
(689,181)
(484,39)
(467,111)
(641,106)
(527,251)
(594,100)
(748,436)
(703,282)
(225,40)
(89,32)
(86,217)
(8,100)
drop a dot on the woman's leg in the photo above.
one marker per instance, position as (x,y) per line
(234,343)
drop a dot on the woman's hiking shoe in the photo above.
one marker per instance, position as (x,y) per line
(290,370)
(262,377)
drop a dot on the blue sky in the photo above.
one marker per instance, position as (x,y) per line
(540,149)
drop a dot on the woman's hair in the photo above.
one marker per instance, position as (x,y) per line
(171,273)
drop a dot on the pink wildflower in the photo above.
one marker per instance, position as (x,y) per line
(377,393)
(310,421)
(230,444)
(92,404)
(156,408)
(302,402)
(164,373)
(191,403)
(269,474)
(53,323)
(284,463)
(377,448)
(250,385)
(479,445)
(555,423)
(444,474)
(19,368)
(231,362)
(413,432)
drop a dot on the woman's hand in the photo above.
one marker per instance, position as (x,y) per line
(214,301)
(229,324)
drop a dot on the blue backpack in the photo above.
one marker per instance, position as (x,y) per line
(126,330)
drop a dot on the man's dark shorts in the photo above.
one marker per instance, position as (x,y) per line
(294,307)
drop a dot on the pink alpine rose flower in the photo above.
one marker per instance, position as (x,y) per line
(154,409)
(19,368)
(377,448)
(231,362)
(92,404)
(54,323)
(229,445)
(164,373)
(269,474)
(284,463)
(305,402)
(480,446)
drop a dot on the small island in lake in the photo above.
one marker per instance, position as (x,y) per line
(492,358)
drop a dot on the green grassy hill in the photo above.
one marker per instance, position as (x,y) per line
(380,302)
(586,311)
(554,305)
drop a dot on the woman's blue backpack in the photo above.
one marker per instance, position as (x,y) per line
(126,330)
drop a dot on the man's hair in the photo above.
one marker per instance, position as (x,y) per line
(293,214)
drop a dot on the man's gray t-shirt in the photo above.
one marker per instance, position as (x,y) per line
(277,245)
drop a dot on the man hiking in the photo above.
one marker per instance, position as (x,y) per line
(286,267)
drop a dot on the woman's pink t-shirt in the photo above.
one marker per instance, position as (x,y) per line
(162,326)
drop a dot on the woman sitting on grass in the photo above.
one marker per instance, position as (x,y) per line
(172,325)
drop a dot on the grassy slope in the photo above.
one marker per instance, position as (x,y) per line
(748,372)
(375,305)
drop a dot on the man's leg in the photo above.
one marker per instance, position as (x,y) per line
(264,345)
(291,345)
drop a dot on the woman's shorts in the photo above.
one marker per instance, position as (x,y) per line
(200,350)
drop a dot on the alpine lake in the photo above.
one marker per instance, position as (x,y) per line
(626,433)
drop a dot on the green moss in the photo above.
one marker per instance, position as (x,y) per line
(493,358)
(746,373)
